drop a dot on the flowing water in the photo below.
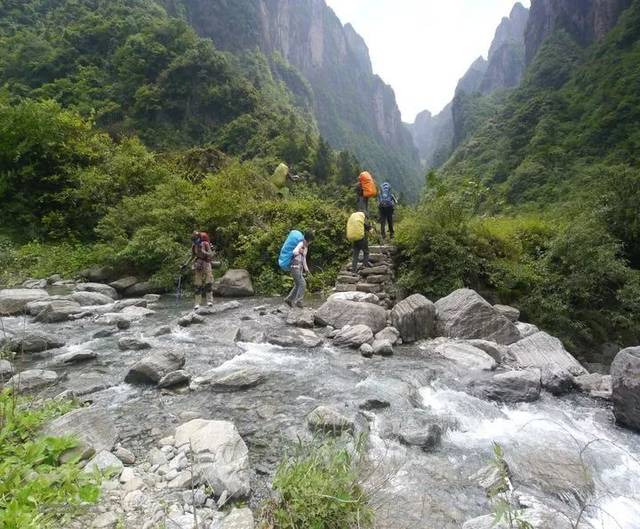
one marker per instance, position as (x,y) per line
(566,452)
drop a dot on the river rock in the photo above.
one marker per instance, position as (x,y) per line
(218,308)
(511,313)
(427,437)
(6,370)
(239,518)
(625,380)
(526,329)
(382,347)
(366,350)
(466,356)
(105,461)
(35,342)
(98,274)
(595,385)
(175,378)
(59,311)
(304,318)
(360,297)
(222,455)
(93,427)
(414,317)
(100,288)
(500,353)
(129,343)
(91,298)
(191,319)
(163,330)
(14,301)
(231,378)
(390,334)
(329,420)
(234,284)
(557,380)
(127,457)
(339,313)
(512,386)
(32,379)
(124,283)
(465,314)
(123,304)
(34,308)
(290,337)
(353,336)
(141,289)
(35,283)
(378,392)
(153,367)
(542,350)
(74,357)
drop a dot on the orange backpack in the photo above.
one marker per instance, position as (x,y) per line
(368,185)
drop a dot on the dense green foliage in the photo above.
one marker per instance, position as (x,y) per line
(36,490)
(319,488)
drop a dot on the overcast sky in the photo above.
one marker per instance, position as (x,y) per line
(422,47)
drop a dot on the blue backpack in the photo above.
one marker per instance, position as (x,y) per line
(286,253)
(386,198)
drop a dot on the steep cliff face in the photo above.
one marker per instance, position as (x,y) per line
(354,108)
(433,136)
(472,79)
(586,21)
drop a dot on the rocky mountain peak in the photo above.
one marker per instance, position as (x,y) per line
(511,29)
(472,79)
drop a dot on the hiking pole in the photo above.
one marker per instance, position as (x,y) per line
(179,292)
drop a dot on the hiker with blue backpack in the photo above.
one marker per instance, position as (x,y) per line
(293,258)
(386,206)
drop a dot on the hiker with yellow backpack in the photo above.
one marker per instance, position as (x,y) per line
(365,189)
(358,228)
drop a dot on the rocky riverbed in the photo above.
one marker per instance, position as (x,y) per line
(195,410)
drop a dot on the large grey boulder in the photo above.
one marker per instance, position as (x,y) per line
(511,313)
(595,385)
(231,378)
(32,379)
(512,386)
(427,437)
(104,461)
(14,300)
(353,336)
(100,288)
(466,356)
(557,380)
(130,343)
(124,283)
(175,378)
(465,314)
(337,313)
(625,380)
(221,456)
(239,518)
(35,342)
(382,347)
(35,283)
(390,334)
(6,370)
(329,420)
(293,337)
(234,284)
(304,318)
(526,329)
(414,317)
(155,366)
(91,298)
(144,288)
(500,353)
(59,311)
(360,297)
(93,427)
(98,274)
(542,350)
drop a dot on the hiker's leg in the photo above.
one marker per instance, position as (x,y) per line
(383,219)
(198,280)
(390,221)
(208,287)
(356,254)
(292,293)
(365,251)
(301,284)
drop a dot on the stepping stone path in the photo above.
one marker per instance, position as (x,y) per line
(378,280)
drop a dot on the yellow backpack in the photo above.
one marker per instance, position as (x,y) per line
(355,227)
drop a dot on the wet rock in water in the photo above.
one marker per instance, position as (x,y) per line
(467,315)
(542,350)
(162,331)
(304,318)
(152,298)
(595,385)
(366,350)
(500,353)
(123,325)
(155,366)
(489,478)
(511,313)
(92,426)
(466,356)
(85,299)
(557,380)
(329,420)
(141,289)
(35,342)
(104,333)
(175,378)
(389,333)
(414,317)
(124,283)
(35,283)
(100,288)
(59,311)
(239,519)
(104,461)
(122,304)
(382,347)
(338,313)
(289,337)
(234,284)
(6,370)
(353,336)
(526,329)
(231,378)
(14,301)
(377,392)
(222,455)
(74,357)
(191,319)
(427,437)
(512,386)
(625,380)
(218,308)
(251,332)
(32,379)
(129,343)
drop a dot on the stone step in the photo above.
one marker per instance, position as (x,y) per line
(341,287)
(379,278)
(375,270)
(369,288)
(350,279)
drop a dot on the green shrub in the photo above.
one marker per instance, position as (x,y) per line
(36,491)
(319,488)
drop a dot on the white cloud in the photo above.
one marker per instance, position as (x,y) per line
(422,47)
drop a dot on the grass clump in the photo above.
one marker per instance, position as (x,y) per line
(319,487)
(36,490)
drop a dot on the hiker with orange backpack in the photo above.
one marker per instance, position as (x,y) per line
(365,189)
(201,257)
